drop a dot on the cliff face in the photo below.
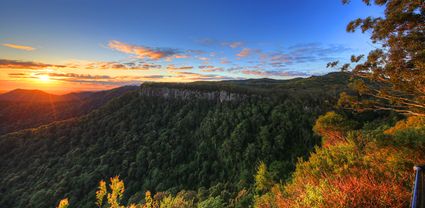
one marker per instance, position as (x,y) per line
(186,94)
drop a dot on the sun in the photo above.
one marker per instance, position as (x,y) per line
(44,78)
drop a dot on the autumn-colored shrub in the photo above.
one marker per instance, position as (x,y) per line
(344,175)
(333,128)
(407,133)
(413,122)
(272,199)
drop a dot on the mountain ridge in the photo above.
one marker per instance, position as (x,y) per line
(22,109)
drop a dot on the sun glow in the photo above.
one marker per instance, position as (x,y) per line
(44,78)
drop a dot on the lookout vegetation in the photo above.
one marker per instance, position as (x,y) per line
(391,77)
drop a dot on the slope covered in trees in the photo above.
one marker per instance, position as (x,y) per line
(169,144)
(361,164)
(21,109)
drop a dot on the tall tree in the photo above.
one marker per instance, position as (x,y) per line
(391,77)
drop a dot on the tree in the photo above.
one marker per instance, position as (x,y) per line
(212,202)
(64,203)
(100,193)
(149,201)
(263,180)
(115,195)
(393,76)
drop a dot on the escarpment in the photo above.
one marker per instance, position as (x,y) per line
(187,94)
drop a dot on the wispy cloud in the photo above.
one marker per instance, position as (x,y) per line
(154,76)
(88,78)
(173,67)
(16,74)
(17,64)
(19,47)
(192,76)
(142,51)
(302,53)
(135,65)
(235,44)
(210,68)
(224,61)
(113,65)
(263,73)
(207,41)
(215,42)
(244,52)
(181,56)
(203,58)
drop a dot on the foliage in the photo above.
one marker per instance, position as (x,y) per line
(344,175)
(101,193)
(393,76)
(270,199)
(333,127)
(183,199)
(413,122)
(64,203)
(263,180)
(212,202)
(114,196)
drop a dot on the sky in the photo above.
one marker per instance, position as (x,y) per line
(62,46)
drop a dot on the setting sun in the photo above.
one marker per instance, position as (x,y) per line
(44,78)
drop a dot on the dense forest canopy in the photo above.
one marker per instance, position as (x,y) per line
(168,145)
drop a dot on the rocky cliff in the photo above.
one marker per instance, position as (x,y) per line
(186,94)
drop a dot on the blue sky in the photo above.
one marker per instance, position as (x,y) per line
(131,41)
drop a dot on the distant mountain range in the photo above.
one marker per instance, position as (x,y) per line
(32,96)
(25,95)
(20,109)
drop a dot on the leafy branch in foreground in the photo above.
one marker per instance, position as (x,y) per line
(392,78)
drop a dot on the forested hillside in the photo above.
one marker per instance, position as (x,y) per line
(362,163)
(21,109)
(189,139)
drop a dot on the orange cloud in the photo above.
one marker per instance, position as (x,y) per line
(173,67)
(87,78)
(244,52)
(16,64)
(19,47)
(218,69)
(141,51)
(181,56)
(113,65)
